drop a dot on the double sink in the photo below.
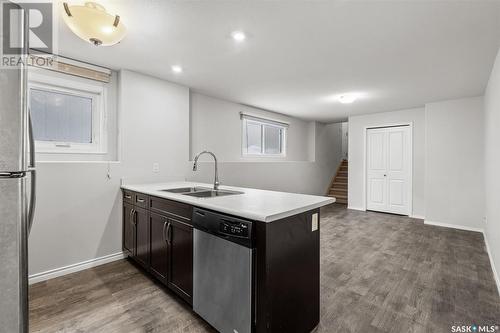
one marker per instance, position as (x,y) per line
(201,192)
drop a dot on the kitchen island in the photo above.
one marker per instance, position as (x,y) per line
(246,260)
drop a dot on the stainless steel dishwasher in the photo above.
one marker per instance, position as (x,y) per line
(222,271)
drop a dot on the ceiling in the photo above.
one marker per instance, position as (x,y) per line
(299,55)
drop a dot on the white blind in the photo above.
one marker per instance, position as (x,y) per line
(264,120)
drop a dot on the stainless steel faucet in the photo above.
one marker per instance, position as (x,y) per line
(195,167)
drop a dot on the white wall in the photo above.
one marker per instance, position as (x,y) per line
(356,146)
(345,140)
(492,164)
(154,127)
(78,215)
(454,163)
(313,150)
(216,126)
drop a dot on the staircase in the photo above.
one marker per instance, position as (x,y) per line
(338,186)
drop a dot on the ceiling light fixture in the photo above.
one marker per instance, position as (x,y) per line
(347,98)
(177,69)
(93,24)
(238,36)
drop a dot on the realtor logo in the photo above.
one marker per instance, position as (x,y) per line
(40,32)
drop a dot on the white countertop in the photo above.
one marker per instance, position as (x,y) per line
(253,204)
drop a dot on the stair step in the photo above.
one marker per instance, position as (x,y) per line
(339,188)
(339,183)
(339,199)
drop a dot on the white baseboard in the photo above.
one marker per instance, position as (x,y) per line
(493,268)
(53,273)
(420,217)
(356,208)
(453,226)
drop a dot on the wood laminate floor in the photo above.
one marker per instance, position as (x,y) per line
(379,273)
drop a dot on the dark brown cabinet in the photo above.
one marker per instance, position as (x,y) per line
(136,233)
(172,253)
(159,246)
(142,234)
(157,233)
(128,235)
(180,254)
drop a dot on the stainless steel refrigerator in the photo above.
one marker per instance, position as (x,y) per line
(17,182)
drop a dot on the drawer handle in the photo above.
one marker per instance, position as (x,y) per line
(140,200)
(127,196)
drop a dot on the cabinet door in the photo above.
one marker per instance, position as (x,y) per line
(159,246)
(128,233)
(142,236)
(180,277)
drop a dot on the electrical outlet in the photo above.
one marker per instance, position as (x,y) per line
(156,167)
(315,222)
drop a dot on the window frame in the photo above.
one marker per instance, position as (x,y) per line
(263,123)
(96,92)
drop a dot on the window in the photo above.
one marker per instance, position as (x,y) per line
(262,137)
(67,116)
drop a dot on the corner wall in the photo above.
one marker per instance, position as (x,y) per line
(492,166)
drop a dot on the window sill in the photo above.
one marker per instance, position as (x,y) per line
(73,152)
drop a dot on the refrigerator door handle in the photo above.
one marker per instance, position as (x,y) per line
(32,171)
(31,141)
(31,209)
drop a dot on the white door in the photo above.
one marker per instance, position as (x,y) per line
(388,187)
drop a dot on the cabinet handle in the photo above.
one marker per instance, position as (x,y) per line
(169,226)
(140,200)
(164,227)
(127,196)
(131,218)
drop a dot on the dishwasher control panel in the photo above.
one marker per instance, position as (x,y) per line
(230,228)
(234,228)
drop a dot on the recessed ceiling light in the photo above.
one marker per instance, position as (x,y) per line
(347,98)
(238,36)
(177,69)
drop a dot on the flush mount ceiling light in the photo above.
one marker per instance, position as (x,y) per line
(347,98)
(238,36)
(93,24)
(177,69)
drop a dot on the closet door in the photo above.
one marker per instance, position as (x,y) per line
(398,170)
(376,178)
(388,166)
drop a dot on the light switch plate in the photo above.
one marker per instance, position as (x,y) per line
(314,221)
(156,167)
